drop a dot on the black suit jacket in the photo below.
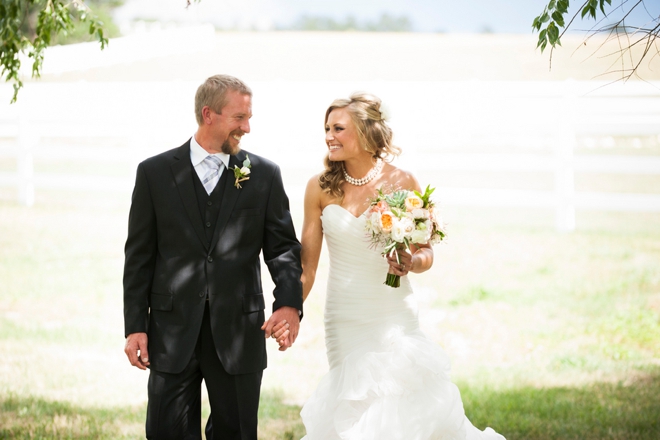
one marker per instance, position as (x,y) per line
(169,270)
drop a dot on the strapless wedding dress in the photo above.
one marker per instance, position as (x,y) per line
(387,380)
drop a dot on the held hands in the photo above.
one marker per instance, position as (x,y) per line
(401,267)
(283,326)
(136,350)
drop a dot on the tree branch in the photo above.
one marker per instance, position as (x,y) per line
(625,35)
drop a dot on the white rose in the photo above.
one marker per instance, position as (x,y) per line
(373,222)
(420,213)
(398,231)
(245,171)
(402,228)
(420,236)
(408,224)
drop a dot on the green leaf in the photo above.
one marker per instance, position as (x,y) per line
(585,10)
(542,39)
(553,33)
(558,18)
(47,19)
(551,5)
(17,86)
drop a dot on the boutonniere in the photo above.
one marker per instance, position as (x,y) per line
(242,174)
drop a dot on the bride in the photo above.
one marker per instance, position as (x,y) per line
(387,381)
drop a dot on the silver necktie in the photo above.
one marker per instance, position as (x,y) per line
(211,177)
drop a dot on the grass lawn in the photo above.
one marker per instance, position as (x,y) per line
(552,336)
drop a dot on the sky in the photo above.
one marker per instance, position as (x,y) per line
(451,16)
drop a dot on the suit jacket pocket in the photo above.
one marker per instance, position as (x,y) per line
(161,302)
(246,212)
(253,303)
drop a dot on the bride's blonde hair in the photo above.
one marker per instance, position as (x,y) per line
(374,135)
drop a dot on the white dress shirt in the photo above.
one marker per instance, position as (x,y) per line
(197,156)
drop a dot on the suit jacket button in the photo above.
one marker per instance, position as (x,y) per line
(210,259)
(201,294)
(209,203)
(208,224)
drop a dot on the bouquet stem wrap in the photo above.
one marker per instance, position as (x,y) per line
(394,280)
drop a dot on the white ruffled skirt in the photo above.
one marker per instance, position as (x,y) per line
(387,380)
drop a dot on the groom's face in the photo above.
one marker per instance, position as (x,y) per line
(232,122)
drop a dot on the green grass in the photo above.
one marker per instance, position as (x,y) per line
(551,336)
(36,418)
(616,411)
(277,419)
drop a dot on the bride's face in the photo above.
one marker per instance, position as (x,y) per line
(341,136)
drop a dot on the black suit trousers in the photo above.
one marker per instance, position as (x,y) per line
(174,409)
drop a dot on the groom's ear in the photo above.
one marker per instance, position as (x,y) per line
(207,117)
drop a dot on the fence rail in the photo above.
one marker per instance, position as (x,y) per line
(98,124)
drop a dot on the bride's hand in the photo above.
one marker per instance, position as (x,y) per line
(402,266)
(283,325)
(280,332)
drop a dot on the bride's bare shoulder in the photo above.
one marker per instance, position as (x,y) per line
(400,178)
(313,188)
(314,193)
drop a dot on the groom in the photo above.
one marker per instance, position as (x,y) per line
(193,301)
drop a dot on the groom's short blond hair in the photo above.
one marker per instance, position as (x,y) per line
(213,93)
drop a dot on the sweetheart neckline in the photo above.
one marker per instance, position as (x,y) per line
(344,209)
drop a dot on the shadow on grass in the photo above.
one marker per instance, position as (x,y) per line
(35,418)
(278,420)
(613,411)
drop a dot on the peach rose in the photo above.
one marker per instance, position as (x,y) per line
(413,202)
(382,206)
(386,221)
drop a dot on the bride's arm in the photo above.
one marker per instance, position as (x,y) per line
(312,234)
(422,258)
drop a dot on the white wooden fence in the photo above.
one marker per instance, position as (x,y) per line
(98,124)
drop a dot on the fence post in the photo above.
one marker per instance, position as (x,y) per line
(564,171)
(25,160)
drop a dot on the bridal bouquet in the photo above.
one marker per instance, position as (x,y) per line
(400,219)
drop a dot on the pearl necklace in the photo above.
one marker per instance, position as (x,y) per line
(366,179)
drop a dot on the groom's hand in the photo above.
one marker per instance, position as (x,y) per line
(136,350)
(283,324)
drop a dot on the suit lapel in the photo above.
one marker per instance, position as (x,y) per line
(182,172)
(229,197)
